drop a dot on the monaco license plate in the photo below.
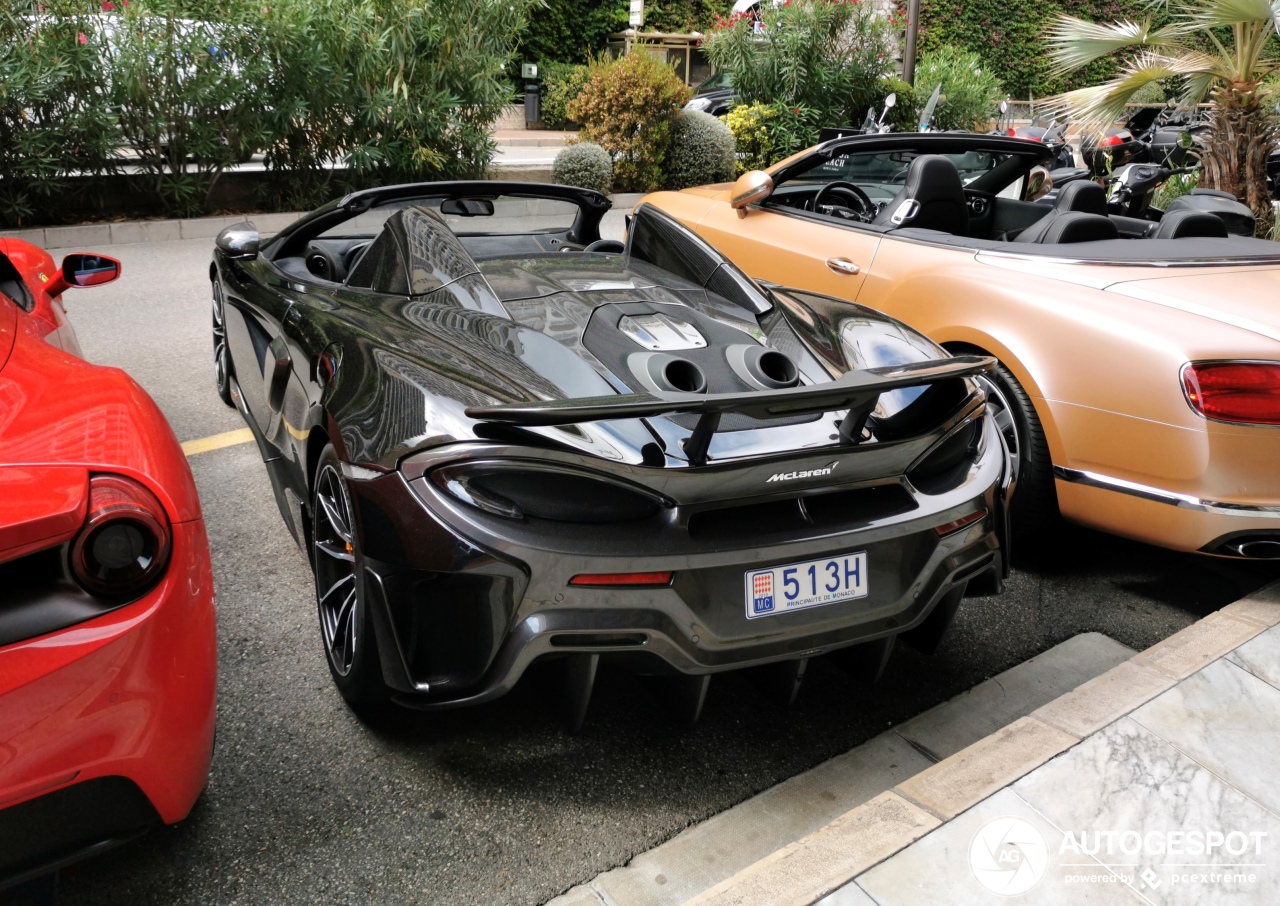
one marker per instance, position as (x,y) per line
(812,583)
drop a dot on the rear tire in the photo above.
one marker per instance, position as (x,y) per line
(1033,509)
(350,648)
(221,355)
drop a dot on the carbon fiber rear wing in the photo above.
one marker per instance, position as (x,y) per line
(856,391)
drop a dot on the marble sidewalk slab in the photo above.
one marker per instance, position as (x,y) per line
(953,865)
(1228,720)
(1260,656)
(1121,793)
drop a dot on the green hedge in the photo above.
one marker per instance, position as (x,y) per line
(1009,36)
(337,94)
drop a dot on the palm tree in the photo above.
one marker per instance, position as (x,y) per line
(1228,71)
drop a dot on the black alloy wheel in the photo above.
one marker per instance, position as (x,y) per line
(349,645)
(1033,508)
(221,358)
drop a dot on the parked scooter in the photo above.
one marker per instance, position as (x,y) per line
(1054,136)
(1152,135)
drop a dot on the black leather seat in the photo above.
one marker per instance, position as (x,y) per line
(1081,197)
(932,198)
(1074,226)
(1189,224)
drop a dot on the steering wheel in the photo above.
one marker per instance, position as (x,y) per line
(863,208)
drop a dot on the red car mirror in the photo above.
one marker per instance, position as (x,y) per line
(89,270)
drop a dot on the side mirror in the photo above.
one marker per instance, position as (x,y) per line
(892,100)
(1004,106)
(89,270)
(751,187)
(1039,182)
(240,240)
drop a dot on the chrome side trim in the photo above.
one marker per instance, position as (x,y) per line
(1146,492)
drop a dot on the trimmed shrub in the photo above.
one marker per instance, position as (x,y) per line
(561,83)
(585,165)
(702,151)
(971,94)
(627,107)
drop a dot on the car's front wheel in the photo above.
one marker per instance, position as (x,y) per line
(349,644)
(221,358)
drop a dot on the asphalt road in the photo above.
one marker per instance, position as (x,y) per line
(497,804)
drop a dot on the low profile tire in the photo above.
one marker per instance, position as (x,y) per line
(1033,510)
(345,630)
(221,356)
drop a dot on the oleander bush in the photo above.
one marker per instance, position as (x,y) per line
(584,164)
(702,151)
(561,83)
(336,94)
(971,93)
(55,117)
(825,56)
(627,107)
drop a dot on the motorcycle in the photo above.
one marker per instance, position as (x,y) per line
(1151,135)
(870,125)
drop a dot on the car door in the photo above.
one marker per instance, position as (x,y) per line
(254,305)
(794,248)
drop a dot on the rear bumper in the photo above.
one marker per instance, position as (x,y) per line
(460,626)
(129,695)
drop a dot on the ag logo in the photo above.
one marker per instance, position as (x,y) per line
(1008,856)
(43,278)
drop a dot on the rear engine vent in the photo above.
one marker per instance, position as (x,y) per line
(835,511)
(948,462)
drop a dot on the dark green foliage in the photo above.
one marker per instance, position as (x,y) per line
(971,93)
(1009,36)
(568,31)
(682,16)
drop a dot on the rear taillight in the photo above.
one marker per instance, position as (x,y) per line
(124,545)
(517,489)
(621,580)
(949,528)
(1243,392)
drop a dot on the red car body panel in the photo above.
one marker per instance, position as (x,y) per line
(129,693)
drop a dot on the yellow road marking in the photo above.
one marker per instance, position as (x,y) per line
(217,441)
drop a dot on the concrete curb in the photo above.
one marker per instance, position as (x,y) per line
(812,867)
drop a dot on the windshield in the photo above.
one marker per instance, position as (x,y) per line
(881,174)
(508,215)
(717,82)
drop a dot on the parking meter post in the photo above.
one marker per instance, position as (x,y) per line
(532,111)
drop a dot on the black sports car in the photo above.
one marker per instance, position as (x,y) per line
(500,443)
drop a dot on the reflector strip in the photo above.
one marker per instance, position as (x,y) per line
(614,580)
(955,526)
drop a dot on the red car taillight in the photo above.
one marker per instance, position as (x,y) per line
(1244,392)
(124,544)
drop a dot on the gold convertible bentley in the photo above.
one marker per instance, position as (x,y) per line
(1139,368)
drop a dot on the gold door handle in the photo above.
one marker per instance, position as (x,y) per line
(843,266)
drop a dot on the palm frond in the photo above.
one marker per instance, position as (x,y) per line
(1098,106)
(1074,43)
(1217,13)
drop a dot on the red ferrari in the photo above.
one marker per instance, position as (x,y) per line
(107,650)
